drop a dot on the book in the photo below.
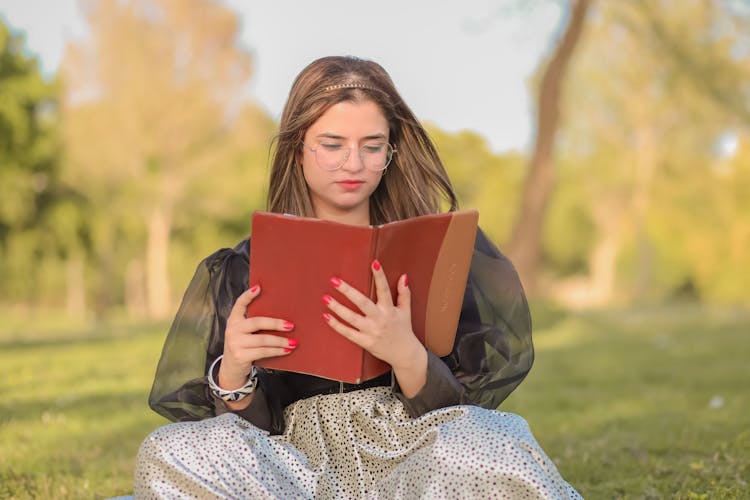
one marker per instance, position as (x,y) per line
(293,259)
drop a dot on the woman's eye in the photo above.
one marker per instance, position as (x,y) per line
(330,146)
(372,148)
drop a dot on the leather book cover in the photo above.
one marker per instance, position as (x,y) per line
(293,258)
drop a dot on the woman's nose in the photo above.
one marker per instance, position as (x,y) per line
(353,162)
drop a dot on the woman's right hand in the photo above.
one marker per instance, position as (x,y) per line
(242,346)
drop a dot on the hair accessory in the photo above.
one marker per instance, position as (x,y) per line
(349,85)
(237,394)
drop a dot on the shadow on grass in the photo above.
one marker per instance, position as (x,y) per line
(95,406)
(93,335)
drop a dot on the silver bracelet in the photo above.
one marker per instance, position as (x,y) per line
(237,394)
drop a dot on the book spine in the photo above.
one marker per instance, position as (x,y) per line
(374,253)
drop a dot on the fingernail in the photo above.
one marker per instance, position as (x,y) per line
(335,281)
(288,349)
(254,288)
(293,342)
(406,280)
(376,265)
(327,299)
(327,317)
(288,325)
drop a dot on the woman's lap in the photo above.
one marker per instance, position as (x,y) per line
(359,444)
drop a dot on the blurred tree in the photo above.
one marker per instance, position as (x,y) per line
(35,244)
(153,101)
(483,180)
(526,241)
(657,86)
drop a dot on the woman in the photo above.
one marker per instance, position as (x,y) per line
(349,150)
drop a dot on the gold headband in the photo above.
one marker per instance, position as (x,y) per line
(349,85)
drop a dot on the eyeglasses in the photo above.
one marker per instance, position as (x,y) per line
(375,156)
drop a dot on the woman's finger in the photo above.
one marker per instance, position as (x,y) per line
(271,352)
(240,305)
(348,332)
(382,289)
(343,312)
(403,301)
(361,301)
(263,340)
(258,323)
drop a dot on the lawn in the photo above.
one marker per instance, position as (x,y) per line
(647,403)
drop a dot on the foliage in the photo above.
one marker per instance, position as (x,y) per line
(629,403)
(155,158)
(31,196)
(649,103)
(483,180)
(158,130)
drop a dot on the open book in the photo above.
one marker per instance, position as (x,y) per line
(293,259)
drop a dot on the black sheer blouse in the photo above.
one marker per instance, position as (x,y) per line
(492,354)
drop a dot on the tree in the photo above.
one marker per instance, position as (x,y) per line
(639,146)
(151,100)
(526,241)
(30,191)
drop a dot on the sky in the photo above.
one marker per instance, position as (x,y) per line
(460,65)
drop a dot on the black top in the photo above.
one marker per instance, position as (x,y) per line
(492,353)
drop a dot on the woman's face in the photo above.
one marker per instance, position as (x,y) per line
(353,128)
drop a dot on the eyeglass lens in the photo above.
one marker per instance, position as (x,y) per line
(375,156)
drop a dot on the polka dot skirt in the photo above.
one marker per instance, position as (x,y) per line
(359,444)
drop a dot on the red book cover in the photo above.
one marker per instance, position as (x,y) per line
(293,259)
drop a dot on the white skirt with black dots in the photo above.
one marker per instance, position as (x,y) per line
(360,444)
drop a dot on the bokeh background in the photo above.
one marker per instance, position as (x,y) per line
(605,143)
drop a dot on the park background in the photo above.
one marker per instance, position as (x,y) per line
(622,195)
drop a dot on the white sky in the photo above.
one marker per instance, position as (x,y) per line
(460,65)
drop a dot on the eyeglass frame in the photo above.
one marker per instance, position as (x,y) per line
(348,154)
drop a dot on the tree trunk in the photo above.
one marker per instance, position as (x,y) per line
(526,238)
(135,293)
(75,296)
(157,251)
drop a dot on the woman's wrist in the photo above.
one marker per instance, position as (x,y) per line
(407,357)
(412,376)
(232,378)
(235,397)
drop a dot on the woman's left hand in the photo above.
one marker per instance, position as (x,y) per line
(382,328)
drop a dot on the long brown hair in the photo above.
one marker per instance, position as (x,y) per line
(416,181)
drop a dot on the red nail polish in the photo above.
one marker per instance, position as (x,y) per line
(327,317)
(406,280)
(327,299)
(376,265)
(335,282)
(254,288)
(288,349)
(293,342)
(288,325)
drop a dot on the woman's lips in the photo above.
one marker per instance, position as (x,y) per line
(350,184)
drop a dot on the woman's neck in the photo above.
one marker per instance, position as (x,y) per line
(352,217)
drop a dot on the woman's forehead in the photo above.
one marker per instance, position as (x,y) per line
(348,119)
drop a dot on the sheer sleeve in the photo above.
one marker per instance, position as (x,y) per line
(493,350)
(196,337)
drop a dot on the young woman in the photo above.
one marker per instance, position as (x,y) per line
(349,150)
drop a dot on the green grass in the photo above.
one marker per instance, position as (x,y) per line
(651,403)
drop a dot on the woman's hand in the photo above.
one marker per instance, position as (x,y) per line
(382,328)
(242,346)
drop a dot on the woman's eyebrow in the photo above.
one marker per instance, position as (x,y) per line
(329,135)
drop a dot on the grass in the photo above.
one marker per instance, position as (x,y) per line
(648,403)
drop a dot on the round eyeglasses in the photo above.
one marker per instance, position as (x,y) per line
(375,156)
